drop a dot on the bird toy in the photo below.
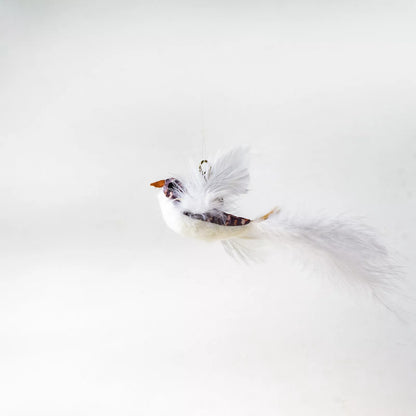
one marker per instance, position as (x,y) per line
(198,206)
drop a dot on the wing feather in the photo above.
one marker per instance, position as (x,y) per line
(225,179)
(229,175)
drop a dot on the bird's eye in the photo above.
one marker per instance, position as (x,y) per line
(171,185)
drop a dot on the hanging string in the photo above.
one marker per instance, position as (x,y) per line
(203,138)
(204,166)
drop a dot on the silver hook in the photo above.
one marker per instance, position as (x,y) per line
(205,170)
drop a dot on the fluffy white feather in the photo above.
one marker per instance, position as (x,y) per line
(338,247)
(345,243)
(226,178)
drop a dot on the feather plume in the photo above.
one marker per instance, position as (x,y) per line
(341,245)
(225,179)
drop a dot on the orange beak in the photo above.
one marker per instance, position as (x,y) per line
(158,184)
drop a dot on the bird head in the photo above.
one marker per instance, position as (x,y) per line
(171,187)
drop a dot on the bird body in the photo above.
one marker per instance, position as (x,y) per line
(190,226)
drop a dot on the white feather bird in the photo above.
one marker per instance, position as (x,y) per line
(197,206)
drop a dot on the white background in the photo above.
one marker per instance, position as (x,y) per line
(105,311)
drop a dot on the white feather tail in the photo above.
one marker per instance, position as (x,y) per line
(345,243)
